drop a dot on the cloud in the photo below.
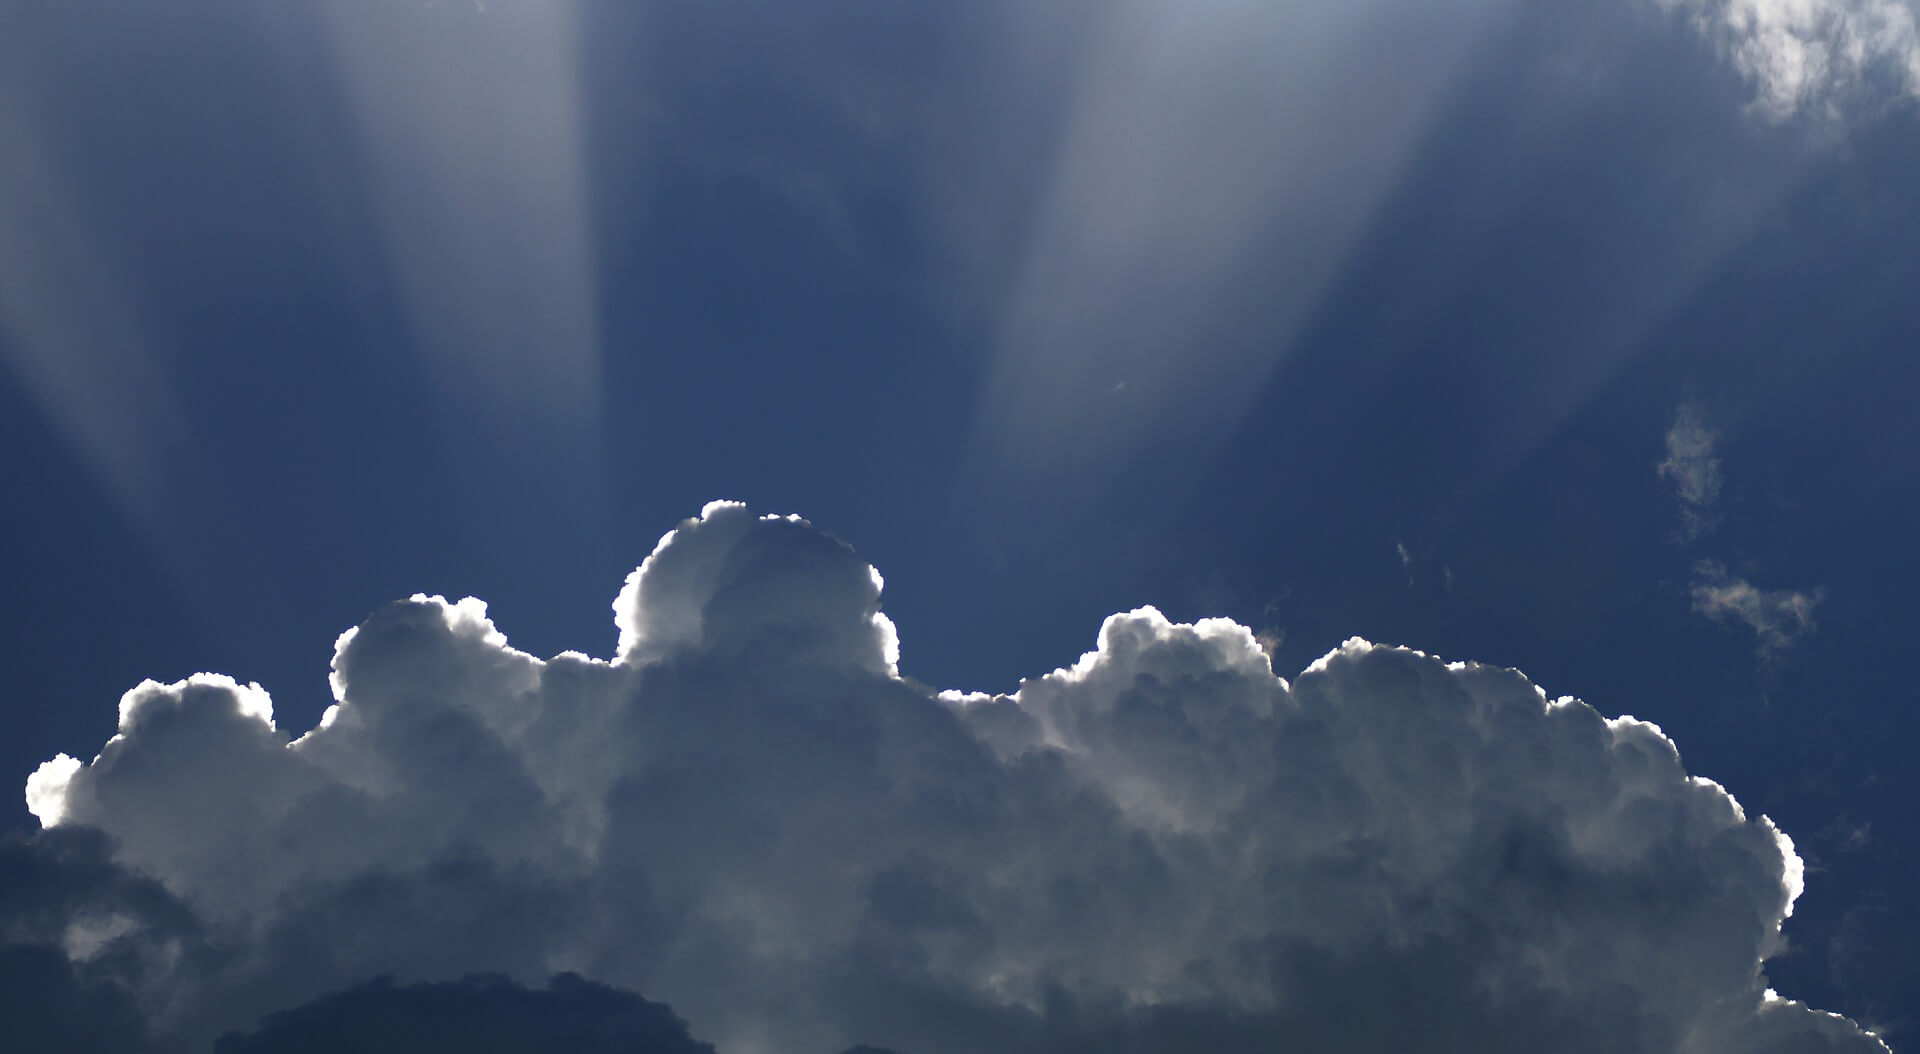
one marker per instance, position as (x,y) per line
(1809,54)
(478,1013)
(1694,470)
(76,932)
(1777,616)
(751,814)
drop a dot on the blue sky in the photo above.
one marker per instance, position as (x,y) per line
(1366,319)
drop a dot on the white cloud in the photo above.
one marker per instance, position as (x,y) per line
(1777,616)
(47,789)
(1694,470)
(1808,54)
(750,815)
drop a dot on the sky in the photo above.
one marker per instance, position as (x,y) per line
(959,526)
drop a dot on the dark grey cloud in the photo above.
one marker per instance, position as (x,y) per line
(46,1006)
(478,1015)
(79,938)
(750,814)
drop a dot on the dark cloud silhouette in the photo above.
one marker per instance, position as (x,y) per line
(478,1015)
(750,814)
(79,938)
(45,1006)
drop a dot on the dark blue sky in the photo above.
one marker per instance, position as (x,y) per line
(1049,310)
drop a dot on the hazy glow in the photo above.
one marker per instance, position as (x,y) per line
(472,158)
(68,331)
(471,129)
(1198,135)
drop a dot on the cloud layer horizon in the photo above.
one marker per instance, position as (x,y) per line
(750,814)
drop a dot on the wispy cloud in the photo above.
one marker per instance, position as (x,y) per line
(1777,616)
(1694,470)
(1807,54)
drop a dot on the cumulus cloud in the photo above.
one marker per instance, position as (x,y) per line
(1809,54)
(1693,469)
(750,813)
(1777,617)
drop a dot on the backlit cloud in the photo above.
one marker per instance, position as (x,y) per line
(750,814)
(1809,54)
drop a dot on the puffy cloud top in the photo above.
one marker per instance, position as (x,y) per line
(731,580)
(750,814)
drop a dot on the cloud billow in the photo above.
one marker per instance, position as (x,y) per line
(750,814)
